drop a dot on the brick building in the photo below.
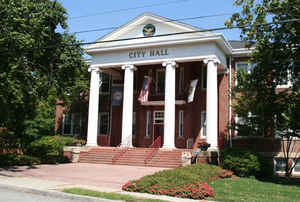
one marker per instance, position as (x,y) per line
(191,77)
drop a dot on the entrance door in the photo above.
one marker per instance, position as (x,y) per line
(158,125)
(159,133)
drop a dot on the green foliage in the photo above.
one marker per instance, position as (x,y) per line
(49,148)
(243,163)
(179,176)
(37,62)
(14,159)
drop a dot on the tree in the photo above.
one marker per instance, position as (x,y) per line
(36,61)
(274,27)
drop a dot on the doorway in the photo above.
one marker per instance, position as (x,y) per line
(158,125)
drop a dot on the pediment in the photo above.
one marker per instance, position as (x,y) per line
(134,30)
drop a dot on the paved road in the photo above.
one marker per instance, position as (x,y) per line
(17,194)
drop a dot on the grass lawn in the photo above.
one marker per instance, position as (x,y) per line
(248,189)
(105,195)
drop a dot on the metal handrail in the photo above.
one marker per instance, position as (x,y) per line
(156,145)
(118,155)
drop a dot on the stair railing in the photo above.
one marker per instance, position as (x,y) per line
(119,154)
(155,145)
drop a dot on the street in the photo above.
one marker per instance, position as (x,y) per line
(17,194)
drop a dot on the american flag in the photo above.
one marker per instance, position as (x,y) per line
(145,90)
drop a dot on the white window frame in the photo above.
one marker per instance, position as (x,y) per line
(158,118)
(99,123)
(180,123)
(72,124)
(109,84)
(203,123)
(148,124)
(156,81)
(236,69)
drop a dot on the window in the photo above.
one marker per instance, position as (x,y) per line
(103,123)
(160,81)
(133,124)
(203,124)
(297,166)
(135,73)
(180,124)
(148,124)
(285,82)
(204,77)
(71,124)
(158,117)
(105,83)
(279,165)
(241,68)
(181,80)
(248,126)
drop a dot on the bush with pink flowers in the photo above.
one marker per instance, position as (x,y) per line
(183,182)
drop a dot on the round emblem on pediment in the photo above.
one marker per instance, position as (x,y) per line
(149,30)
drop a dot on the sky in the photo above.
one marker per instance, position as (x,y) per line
(96,14)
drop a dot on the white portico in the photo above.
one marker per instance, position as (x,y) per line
(154,40)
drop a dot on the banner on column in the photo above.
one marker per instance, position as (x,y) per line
(192,89)
(117,95)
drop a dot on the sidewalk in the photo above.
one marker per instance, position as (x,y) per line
(98,177)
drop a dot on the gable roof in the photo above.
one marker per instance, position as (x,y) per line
(133,29)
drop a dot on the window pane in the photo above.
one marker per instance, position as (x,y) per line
(134,124)
(243,66)
(76,123)
(148,124)
(280,165)
(160,81)
(181,80)
(204,75)
(67,124)
(105,83)
(203,124)
(297,167)
(104,123)
(180,124)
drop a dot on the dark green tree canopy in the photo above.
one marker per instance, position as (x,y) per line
(274,27)
(35,58)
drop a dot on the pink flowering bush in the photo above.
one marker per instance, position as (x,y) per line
(193,191)
(183,182)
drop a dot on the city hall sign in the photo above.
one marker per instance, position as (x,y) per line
(148,53)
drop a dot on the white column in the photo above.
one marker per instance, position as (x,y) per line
(169,119)
(212,102)
(93,107)
(127,106)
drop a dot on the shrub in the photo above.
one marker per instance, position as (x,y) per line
(184,182)
(14,159)
(242,162)
(193,191)
(49,148)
